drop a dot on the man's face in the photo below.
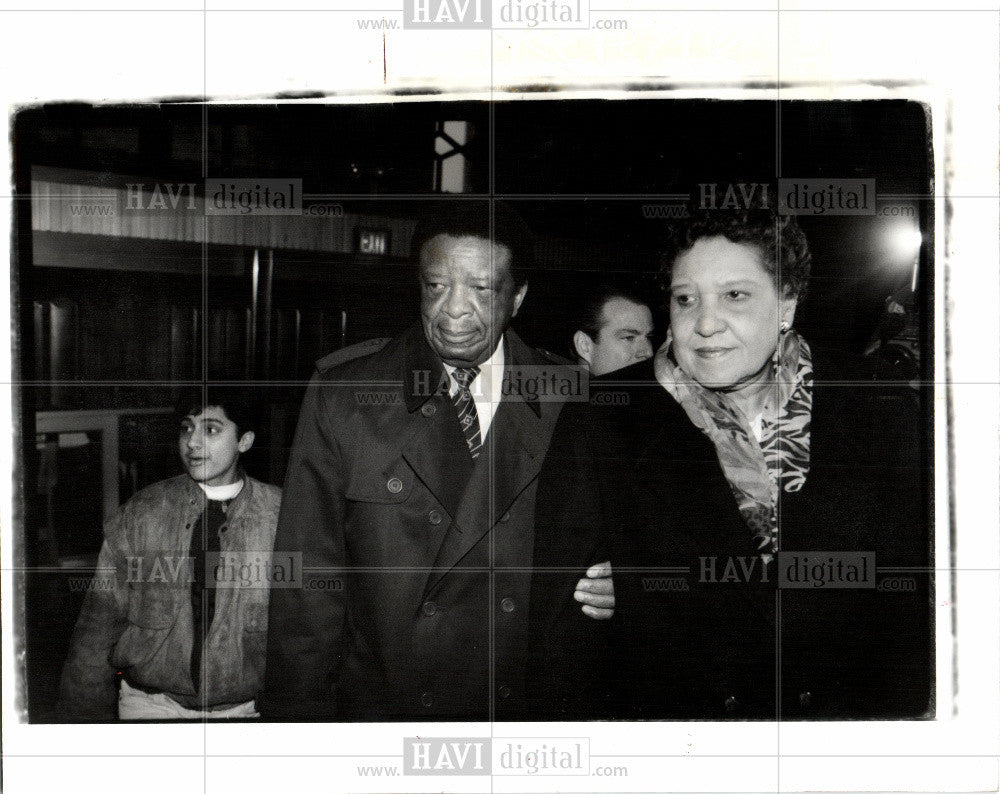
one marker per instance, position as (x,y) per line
(467,297)
(209,447)
(625,337)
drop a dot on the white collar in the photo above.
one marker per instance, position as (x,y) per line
(222,493)
(490,375)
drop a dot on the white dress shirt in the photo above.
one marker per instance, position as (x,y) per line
(486,389)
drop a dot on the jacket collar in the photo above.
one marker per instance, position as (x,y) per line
(423,374)
(519,354)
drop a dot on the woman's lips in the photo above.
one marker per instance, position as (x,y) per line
(713,352)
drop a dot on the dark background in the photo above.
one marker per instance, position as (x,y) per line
(106,322)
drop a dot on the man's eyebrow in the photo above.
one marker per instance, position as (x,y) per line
(633,331)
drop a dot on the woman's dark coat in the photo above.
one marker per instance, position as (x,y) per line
(701,629)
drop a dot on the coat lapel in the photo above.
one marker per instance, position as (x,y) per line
(511,459)
(436,450)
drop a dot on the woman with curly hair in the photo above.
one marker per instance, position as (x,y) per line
(745,493)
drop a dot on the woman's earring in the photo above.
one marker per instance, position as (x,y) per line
(785,327)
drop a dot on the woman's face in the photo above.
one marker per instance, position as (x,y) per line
(725,314)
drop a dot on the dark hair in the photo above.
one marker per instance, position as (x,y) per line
(782,243)
(589,318)
(238,402)
(494,221)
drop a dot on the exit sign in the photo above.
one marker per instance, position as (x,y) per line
(373,241)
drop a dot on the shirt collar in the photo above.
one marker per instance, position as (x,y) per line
(195,490)
(222,493)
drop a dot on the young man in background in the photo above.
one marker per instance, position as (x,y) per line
(613,330)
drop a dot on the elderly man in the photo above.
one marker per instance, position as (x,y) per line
(410,494)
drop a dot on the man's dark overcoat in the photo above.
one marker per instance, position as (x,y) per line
(416,558)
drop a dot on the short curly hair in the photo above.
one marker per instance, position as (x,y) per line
(782,243)
(240,402)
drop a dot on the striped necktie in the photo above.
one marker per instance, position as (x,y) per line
(465,406)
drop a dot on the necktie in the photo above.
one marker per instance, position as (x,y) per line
(205,547)
(468,418)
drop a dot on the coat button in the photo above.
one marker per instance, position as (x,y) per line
(427,700)
(430,608)
(507,605)
(429,409)
(434,517)
(732,704)
(395,485)
(504,691)
(505,517)
(805,699)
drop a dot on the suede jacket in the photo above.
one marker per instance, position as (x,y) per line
(136,620)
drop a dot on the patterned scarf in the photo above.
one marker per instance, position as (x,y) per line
(757,471)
